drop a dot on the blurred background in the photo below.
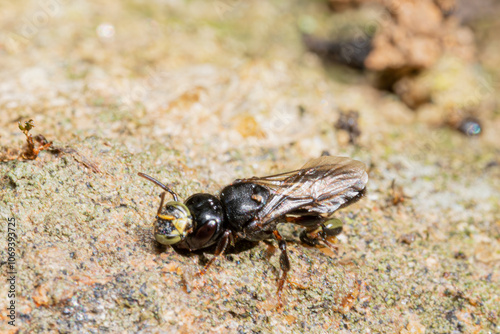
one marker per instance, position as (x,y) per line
(199,93)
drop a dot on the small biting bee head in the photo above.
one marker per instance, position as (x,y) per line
(173,223)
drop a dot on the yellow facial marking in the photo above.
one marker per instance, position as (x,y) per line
(168,240)
(166,217)
(181,225)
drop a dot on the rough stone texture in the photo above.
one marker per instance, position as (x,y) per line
(413,44)
(413,35)
(198,94)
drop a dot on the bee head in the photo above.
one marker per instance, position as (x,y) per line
(173,223)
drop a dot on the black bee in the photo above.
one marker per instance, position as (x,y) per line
(252,208)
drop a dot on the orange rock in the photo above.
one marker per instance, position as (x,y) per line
(423,51)
(290,319)
(247,126)
(414,326)
(170,268)
(40,296)
(419,17)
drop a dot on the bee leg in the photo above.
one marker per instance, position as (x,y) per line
(330,228)
(309,236)
(284,265)
(312,224)
(221,248)
(161,202)
(312,235)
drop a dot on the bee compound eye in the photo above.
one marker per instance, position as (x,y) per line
(206,231)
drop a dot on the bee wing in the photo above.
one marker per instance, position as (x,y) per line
(321,186)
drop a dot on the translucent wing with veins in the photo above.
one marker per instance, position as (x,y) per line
(320,187)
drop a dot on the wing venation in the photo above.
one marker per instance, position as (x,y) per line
(321,186)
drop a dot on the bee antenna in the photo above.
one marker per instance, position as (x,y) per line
(161,185)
